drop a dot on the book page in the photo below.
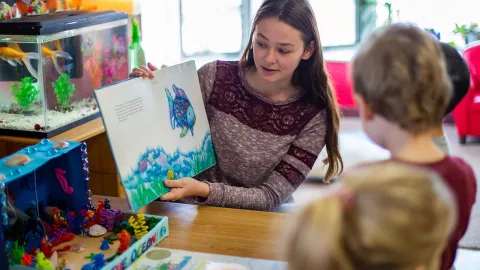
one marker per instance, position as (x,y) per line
(157,129)
(130,117)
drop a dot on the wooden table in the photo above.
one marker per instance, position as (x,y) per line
(103,172)
(225,231)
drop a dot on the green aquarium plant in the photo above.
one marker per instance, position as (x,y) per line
(17,253)
(137,55)
(25,92)
(63,88)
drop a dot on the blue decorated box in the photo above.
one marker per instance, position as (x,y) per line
(46,207)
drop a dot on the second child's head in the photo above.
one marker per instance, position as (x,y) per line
(459,75)
(386,217)
(400,80)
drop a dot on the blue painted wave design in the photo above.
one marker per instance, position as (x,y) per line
(145,181)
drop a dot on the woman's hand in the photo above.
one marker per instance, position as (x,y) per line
(185,187)
(143,71)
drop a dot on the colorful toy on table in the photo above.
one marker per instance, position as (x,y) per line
(124,238)
(98,261)
(106,204)
(139,226)
(112,237)
(27,259)
(110,218)
(40,232)
(43,262)
(78,248)
(98,211)
(97,230)
(104,245)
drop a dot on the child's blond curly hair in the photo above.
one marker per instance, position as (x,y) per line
(400,72)
(385,216)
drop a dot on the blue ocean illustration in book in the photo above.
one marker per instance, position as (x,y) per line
(145,182)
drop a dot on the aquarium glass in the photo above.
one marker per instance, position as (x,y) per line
(47,82)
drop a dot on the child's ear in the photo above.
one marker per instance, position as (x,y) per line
(363,108)
(309,51)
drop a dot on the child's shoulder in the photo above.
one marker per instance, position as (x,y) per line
(458,174)
(456,163)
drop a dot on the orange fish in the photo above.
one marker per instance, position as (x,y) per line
(52,5)
(11,56)
(83,4)
(57,45)
(46,52)
(15,47)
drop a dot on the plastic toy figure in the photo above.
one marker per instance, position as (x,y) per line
(104,245)
(106,204)
(124,238)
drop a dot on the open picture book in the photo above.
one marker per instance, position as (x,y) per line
(157,258)
(157,129)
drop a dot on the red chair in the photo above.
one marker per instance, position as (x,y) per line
(467,112)
(338,71)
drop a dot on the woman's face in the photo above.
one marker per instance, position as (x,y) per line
(278,48)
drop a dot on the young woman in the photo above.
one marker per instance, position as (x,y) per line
(270,113)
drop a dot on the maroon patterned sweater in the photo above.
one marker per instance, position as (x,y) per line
(264,149)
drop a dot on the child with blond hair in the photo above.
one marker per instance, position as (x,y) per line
(387,216)
(402,90)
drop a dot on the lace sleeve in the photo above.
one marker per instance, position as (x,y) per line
(286,177)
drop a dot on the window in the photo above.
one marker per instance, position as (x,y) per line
(432,14)
(337,21)
(213,26)
(205,30)
(221,27)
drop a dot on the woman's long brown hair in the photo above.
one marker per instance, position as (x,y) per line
(311,74)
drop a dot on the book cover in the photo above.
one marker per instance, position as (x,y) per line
(157,129)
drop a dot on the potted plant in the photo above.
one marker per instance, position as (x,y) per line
(469,33)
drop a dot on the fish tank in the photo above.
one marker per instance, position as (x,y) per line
(50,65)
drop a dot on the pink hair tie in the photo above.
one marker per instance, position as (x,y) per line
(345,195)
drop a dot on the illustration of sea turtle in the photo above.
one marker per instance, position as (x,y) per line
(181,111)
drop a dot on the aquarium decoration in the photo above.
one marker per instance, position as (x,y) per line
(23,8)
(30,7)
(135,50)
(46,228)
(5,11)
(89,51)
(25,92)
(63,88)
